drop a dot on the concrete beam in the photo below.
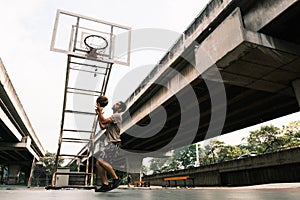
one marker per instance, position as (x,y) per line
(10,125)
(20,115)
(296,86)
(226,38)
(230,45)
(263,12)
(219,43)
(25,143)
(4,146)
(271,42)
(203,22)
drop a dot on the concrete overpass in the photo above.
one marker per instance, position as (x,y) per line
(242,60)
(19,145)
(236,65)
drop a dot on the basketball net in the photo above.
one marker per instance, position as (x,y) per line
(92,54)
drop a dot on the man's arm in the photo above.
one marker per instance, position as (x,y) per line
(102,120)
(102,126)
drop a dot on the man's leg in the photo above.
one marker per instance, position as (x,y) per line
(107,167)
(102,173)
(111,171)
(110,152)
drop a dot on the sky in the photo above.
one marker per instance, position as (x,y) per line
(38,74)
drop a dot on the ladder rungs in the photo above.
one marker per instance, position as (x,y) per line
(96,69)
(84,90)
(82,93)
(88,71)
(86,64)
(79,112)
(74,130)
(76,140)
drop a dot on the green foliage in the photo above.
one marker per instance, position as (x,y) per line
(291,135)
(157,164)
(144,169)
(49,162)
(180,159)
(265,140)
(270,138)
(229,152)
(184,156)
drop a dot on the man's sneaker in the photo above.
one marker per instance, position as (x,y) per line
(103,188)
(116,183)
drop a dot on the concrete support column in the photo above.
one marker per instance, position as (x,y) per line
(296,86)
(134,167)
(13,174)
(31,173)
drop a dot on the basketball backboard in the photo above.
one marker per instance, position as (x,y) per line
(90,38)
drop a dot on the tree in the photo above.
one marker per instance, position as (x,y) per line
(183,157)
(49,162)
(212,151)
(265,139)
(156,164)
(144,169)
(291,135)
(229,152)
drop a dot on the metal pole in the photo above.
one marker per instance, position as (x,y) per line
(62,124)
(106,78)
(76,34)
(92,147)
(197,163)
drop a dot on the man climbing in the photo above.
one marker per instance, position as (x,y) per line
(112,142)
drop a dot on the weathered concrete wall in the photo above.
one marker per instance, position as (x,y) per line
(283,166)
(273,174)
(263,12)
(12,102)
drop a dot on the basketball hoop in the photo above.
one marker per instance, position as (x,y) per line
(95,42)
(96,45)
(90,38)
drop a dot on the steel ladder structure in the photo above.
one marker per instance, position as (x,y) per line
(92,47)
(102,70)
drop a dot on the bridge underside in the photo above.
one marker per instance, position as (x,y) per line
(257,73)
(19,145)
(254,107)
(12,151)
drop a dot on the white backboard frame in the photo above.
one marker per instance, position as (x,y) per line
(117,36)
